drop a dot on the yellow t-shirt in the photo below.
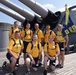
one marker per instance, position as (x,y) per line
(15,46)
(51,48)
(26,34)
(35,50)
(12,31)
(46,35)
(59,37)
(40,35)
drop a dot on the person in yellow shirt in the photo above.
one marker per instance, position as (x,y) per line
(48,32)
(14,48)
(38,32)
(34,50)
(26,35)
(13,29)
(63,42)
(51,51)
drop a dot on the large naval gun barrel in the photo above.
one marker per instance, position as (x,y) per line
(18,9)
(12,14)
(48,16)
(28,15)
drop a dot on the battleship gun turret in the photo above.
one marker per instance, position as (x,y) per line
(48,16)
(12,14)
(28,15)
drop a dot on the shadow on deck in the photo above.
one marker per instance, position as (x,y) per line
(21,71)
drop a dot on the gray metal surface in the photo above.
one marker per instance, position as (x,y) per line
(69,66)
(4,28)
(12,14)
(72,38)
(18,9)
(36,7)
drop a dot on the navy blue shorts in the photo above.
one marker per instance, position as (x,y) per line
(8,55)
(61,46)
(25,46)
(35,65)
(53,62)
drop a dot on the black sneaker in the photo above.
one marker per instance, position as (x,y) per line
(40,64)
(27,73)
(8,74)
(61,66)
(58,65)
(45,72)
(13,73)
(4,65)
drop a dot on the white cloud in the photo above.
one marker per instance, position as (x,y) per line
(63,9)
(49,6)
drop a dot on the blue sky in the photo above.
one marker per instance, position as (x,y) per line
(52,5)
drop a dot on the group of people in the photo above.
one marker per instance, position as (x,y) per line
(33,43)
